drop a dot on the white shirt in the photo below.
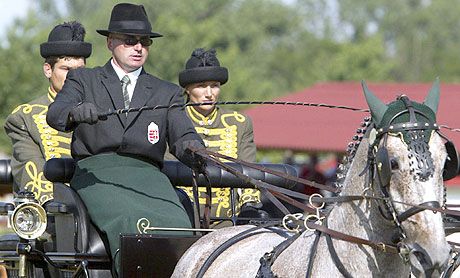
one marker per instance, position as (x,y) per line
(133,76)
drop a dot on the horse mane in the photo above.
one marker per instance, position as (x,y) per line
(346,161)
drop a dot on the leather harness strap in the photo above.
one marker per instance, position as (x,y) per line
(423,206)
(274,200)
(196,207)
(224,246)
(269,258)
(416,209)
(313,249)
(264,169)
(389,248)
(206,154)
(335,258)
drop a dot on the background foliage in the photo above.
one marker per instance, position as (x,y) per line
(271,47)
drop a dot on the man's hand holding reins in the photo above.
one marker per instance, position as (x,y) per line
(85,112)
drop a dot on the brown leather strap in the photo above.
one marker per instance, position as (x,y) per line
(196,197)
(338,199)
(265,188)
(264,169)
(296,203)
(350,198)
(389,248)
(335,258)
(207,208)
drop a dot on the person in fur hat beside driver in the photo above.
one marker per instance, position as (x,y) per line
(224,131)
(34,141)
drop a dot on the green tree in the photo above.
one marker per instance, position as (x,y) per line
(270,47)
(246,34)
(421,37)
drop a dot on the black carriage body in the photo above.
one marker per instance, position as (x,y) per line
(152,255)
(75,248)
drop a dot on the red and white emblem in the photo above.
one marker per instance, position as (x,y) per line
(153,134)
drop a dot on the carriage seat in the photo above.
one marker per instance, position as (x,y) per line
(88,237)
(62,169)
(76,223)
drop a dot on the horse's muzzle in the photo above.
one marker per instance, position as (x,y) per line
(422,264)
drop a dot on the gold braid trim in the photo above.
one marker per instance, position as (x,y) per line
(228,145)
(42,189)
(27,108)
(246,194)
(220,199)
(200,119)
(51,94)
(49,136)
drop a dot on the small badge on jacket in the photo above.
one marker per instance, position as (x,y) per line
(153,134)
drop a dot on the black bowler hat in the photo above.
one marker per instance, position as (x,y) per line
(203,66)
(129,19)
(66,39)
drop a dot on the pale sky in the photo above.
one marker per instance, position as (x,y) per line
(10,9)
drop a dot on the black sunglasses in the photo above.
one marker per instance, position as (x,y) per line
(133,41)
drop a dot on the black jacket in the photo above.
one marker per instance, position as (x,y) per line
(121,134)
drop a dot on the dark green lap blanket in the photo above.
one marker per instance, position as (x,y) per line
(123,193)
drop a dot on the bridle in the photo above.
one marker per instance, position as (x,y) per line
(416,135)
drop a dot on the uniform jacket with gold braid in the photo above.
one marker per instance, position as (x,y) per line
(34,142)
(230,133)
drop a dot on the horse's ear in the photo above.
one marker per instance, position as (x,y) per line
(377,107)
(432,99)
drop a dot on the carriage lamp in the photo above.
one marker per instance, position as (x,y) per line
(28,219)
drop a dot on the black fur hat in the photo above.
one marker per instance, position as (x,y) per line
(203,66)
(66,39)
(129,19)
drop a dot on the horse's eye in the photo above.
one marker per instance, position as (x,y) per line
(394,164)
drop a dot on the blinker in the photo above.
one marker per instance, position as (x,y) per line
(451,164)
(383,166)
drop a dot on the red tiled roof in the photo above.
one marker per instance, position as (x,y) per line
(325,129)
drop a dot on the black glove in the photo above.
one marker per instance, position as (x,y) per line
(190,158)
(85,112)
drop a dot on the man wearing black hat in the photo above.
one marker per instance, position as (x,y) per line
(119,158)
(224,131)
(34,141)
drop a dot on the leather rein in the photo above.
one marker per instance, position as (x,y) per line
(286,194)
(274,192)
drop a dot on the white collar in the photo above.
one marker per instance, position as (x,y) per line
(120,72)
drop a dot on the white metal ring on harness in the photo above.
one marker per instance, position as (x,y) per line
(318,220)
(292,217)
(313,204)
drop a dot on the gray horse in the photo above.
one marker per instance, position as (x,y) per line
(399,162)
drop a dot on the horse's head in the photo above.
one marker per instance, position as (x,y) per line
(409,160)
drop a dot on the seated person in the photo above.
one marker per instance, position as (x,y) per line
(119,158)
(224,131)
(34,142)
